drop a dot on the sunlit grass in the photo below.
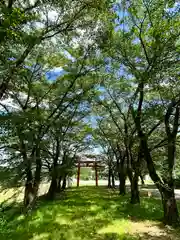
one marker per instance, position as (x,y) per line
(87,213)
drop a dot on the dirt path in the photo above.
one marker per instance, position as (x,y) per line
(153,231)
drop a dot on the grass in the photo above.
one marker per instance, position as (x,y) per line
(88,213)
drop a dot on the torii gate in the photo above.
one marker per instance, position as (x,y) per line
(88,163)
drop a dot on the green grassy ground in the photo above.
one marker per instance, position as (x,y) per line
(88,213)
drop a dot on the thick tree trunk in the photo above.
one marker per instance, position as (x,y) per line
(171,215)
(64,183)
(28,195)
(135,190)
(121,175)
(122,185)
(53,185)
(130,175)
(52,189)
(113,181)
(133,178)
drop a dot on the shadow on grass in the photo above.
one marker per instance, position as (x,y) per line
(81,215)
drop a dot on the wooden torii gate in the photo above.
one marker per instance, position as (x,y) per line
(88,163)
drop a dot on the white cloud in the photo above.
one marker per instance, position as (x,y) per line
(53,15)
(57,69)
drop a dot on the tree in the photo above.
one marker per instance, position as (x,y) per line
(47,110)
(41,105)
(123,145)
(146,48)
(25,26)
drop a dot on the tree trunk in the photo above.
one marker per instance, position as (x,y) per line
(64,183)
(113,181)
(29,191)
(135,190)
(122,185)
(171,215)
(52,189)
(121,175)
(28,196)
(142,179)
(133,178)
(37,177)
(130,175)
(109,178)
(53,186)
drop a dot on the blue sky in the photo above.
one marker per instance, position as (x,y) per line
(53,74)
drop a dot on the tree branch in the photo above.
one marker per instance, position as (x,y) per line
(176,122)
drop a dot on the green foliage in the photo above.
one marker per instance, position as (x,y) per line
(140,51)
(119,87)
(45,120)
(86,174)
